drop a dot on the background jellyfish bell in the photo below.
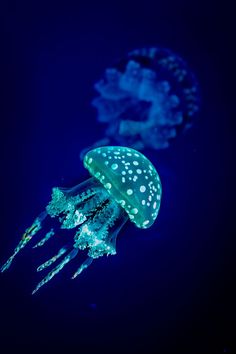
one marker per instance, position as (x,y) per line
(146,99)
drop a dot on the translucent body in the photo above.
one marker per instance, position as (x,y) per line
(146,99)
(96,209)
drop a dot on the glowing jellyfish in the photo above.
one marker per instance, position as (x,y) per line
(146,99)
(124,185)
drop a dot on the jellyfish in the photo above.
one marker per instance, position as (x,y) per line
(146,99)
(124,185)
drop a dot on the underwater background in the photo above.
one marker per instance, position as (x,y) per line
(169,289)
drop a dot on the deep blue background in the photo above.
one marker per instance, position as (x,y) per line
(169,289)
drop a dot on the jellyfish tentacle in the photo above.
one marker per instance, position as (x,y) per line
(94,234)
(73,206)
(45,239)
(83,266)
(27,236)
(52,259)
(64,200)
(99,234)
(88,208)
(56,270)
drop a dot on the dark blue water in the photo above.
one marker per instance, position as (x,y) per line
(169,289)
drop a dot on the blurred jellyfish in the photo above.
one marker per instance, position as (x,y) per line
(146,99)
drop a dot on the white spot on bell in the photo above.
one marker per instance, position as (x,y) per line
(114,166)
(129,191)
(142,189)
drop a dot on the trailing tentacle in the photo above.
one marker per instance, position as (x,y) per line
(27,236)
(56,270)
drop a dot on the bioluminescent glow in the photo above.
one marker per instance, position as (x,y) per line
(124,186)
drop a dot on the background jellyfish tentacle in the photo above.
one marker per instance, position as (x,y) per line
(124,185)
(146,99)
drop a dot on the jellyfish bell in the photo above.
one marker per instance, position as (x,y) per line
(124,185)
(146,99)
(130,179)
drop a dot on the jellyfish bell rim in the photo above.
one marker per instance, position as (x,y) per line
(106,182)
